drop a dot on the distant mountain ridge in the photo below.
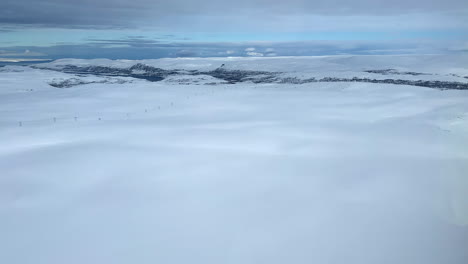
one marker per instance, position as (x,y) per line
(432,71)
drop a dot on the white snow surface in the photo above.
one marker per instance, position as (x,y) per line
(158,172)
(437,67)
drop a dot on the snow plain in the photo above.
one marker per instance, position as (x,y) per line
(159,172)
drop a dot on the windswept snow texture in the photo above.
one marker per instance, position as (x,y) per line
(198,169)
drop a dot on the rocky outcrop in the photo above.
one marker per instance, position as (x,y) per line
(154,74)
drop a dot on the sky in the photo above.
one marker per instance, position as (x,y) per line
(142,29)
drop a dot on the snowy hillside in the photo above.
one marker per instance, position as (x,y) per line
(235,160)
(433,71)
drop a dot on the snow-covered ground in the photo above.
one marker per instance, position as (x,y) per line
(432,67)
(122,170)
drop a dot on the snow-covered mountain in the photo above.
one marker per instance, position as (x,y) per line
(344,159)
(406,70)
(368,69)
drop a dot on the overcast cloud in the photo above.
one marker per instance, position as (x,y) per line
(155,28)
(231,14)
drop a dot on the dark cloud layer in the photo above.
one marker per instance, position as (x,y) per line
(158,28)
(124,13)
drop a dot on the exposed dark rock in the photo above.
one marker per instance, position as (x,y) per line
(235,76)
(395,72)
(154,74)
(67,83)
